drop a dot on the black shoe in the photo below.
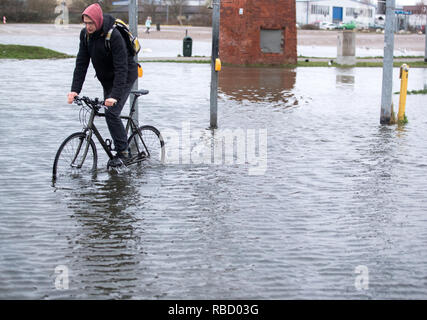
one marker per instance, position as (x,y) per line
(121,158)
(142,155)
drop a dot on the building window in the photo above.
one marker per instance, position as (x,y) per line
(272,41)
(358,12)
(316,9)
(350,12)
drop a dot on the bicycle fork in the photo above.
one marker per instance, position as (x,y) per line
(88,136)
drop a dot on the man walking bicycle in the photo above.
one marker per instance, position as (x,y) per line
(115,68)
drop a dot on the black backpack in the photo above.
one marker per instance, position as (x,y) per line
(132,42)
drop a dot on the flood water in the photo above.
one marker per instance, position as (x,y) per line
(331,191)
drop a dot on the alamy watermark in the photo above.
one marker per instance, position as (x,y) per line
(62,20)
(61,277)
(240,147)
(361,282)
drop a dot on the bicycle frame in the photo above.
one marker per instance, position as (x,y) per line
(91,129)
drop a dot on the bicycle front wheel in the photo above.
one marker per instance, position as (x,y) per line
(75,156)
(147,144)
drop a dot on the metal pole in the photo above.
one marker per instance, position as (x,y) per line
(387,86)
(133,26)
(425,33)
(63,12)
(214,74)
(167,13)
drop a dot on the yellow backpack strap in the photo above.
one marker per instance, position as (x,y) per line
(122,22)
(108,37)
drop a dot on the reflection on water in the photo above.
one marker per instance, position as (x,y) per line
(345,78)
(106,243)
(378,163)
(273,85)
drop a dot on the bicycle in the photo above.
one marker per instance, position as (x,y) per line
(78,154)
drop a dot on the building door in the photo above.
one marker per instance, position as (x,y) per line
(337,14)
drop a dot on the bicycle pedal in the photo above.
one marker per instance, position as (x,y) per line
(141,155)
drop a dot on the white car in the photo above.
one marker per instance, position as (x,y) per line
(327,26)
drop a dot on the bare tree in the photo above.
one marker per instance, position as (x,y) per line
(80,5)
(420,7)
(41,9)
(422,3)
(176,7)
(12,9)
(28,11)
(150,8)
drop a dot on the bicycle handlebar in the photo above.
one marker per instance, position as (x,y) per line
(92,103)
(98,104)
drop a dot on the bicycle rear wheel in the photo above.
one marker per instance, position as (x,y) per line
(72,158)
(147,144)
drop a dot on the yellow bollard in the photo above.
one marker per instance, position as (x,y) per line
(404,70)
(140,71)
(217,64)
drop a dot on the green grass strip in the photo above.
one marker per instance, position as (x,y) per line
(12,51)
(370,57)
(174,61)
(360,64)
(423,91)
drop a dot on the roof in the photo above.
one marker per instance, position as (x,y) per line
(415,9)
(338,1)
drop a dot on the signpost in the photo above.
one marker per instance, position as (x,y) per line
(214,74)
(133,26)
(387,85)
(402,12)
(425,33)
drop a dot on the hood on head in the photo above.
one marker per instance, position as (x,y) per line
(94,12)
(108,22)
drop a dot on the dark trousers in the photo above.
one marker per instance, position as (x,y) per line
(114,123)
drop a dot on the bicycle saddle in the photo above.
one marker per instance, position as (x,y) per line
(139,92)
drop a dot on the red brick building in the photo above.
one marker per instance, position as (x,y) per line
(258,32)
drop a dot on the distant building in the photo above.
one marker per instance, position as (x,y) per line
(258,32)
(417,18)
(335,11)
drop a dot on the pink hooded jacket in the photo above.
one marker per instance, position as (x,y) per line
(94,12)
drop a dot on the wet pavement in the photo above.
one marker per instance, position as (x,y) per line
(321,190)
(66,40)
(168,43)
(331,51)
